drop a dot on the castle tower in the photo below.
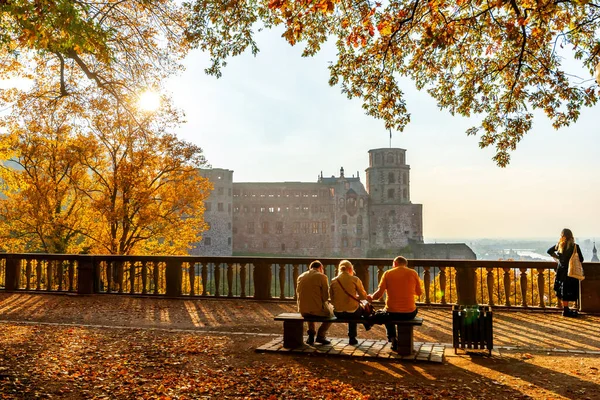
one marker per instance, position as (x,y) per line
(394,221)
(595,254)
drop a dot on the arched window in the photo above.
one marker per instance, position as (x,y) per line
(390,158)
(391,193)
(344,220)
(377,159)
(361,203)
(405,194)
(359,220)
(391,178)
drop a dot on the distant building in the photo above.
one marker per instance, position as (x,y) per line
(332,217)
(595,254)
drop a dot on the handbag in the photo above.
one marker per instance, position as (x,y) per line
(575,268)
(328,309)
(365,306)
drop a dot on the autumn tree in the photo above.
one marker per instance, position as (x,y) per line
(41,208)
(118,46)
(147,195)
(498,61)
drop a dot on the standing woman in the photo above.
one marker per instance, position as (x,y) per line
(565,287)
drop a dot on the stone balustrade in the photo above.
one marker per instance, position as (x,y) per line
(513,284)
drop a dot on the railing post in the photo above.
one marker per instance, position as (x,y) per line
(10,274)
(541,283)
(156,275)
(144,277)
(262,281)
(217,275)
(192,277)
(85,275)
(28,274)
(295,275)
(243,280)
(173,278)
(490,285)
(229,279)
(282,281)
(523,282)
(506,286)
(427,283)
(132,277)
(204,274)
(71,274)
(443,284)
(38,273)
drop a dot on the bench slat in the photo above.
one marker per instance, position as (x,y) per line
(298,317)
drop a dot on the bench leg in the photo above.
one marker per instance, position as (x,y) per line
(405,340)
(293,334)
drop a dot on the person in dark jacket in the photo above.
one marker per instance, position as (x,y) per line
(565,287)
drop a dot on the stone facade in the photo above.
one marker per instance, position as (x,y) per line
(333,217)
(217,240)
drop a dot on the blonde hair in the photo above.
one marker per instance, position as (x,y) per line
(566,240)
(400,261)
(345,266)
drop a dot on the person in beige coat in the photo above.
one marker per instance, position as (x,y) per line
(313,295)
(346,291)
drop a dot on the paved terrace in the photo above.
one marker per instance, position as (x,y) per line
(537,355)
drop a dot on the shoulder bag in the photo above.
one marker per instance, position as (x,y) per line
(366,307)
(575,268)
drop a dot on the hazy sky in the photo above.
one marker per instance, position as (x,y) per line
(275,118)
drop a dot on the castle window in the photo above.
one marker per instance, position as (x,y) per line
(229,225)
(406,232)
(377,159)
(262,195)
(229,192)
(220,191)
(305,209)
(220,207)
(245,209)
(358,243)
(207,206)
(405,194)
(271,195)
(229,208)
(229,241)
(344,242)
(263,209)
(359,220)
(271,209)
(361,203)
(305,227)
(250,227)
(282,246)
(236,209)
(315,227)
(207,241)
(278,209)
(344,220)
(390,158)
(391,193)
(304,194)
(359,230)
(315,193)
(391,178)
(296,227)
(265,227)
(324,227)
(279,227)
(236,192)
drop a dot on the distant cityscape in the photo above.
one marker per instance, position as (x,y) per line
(518,249)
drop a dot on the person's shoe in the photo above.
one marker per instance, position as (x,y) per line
(311,339)
(322,340)
(394,344)
(353,341)
(367,326)
(570,313)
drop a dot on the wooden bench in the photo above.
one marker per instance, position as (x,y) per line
(293,330)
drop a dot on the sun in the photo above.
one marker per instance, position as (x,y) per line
(149,101)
